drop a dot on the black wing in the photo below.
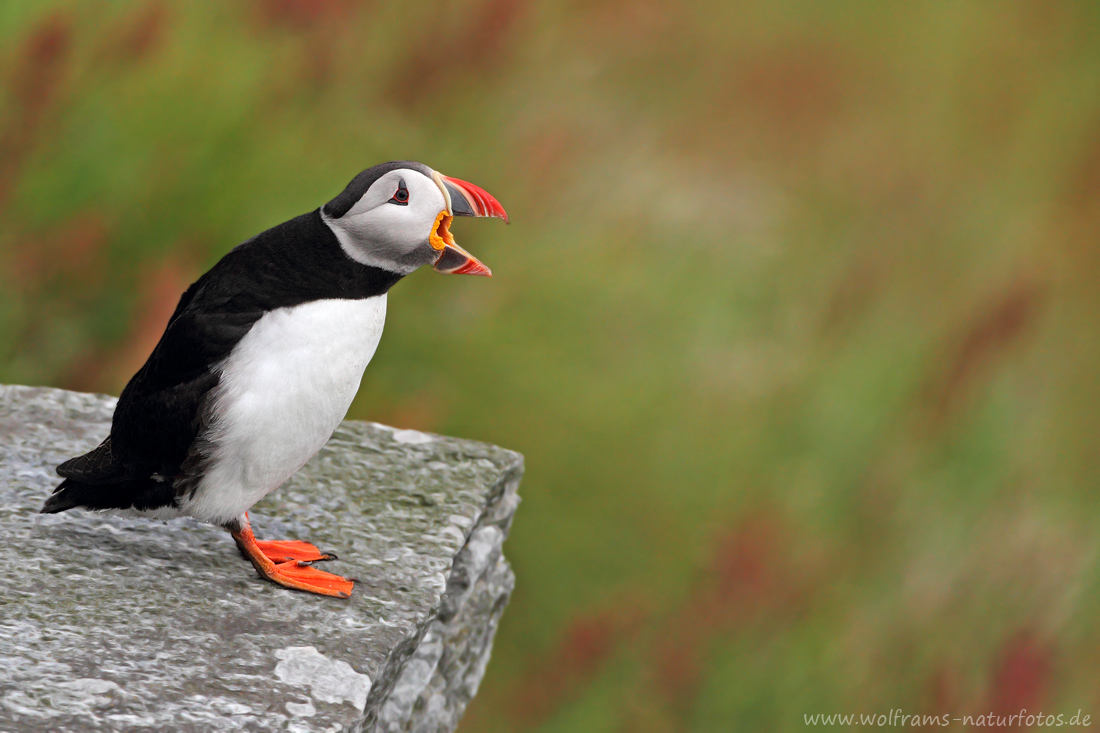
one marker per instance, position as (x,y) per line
(97,467)
(161,410)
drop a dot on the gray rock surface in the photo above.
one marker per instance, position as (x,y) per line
(124,624)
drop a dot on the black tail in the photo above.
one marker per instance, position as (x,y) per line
(131,494)
(65,496)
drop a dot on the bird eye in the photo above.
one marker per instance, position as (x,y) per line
(402,196)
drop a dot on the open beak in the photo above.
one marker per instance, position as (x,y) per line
(463,199)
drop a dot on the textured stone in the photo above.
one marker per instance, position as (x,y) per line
(123,624)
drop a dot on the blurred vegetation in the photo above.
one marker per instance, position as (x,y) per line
(797,321)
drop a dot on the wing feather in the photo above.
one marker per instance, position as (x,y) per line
(96,467)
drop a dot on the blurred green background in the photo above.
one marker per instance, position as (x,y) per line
(797,321)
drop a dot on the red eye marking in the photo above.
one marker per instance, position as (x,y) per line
(401,198)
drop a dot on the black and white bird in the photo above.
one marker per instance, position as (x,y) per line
(262,358)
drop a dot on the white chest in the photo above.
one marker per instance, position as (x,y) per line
(283,391)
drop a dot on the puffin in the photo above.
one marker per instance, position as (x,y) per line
(262,358)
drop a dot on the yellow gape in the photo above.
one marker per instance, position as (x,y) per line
(441,232)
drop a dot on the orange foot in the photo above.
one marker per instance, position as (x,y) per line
(282,550)
(287,564)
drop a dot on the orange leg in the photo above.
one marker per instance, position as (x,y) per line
(287,564)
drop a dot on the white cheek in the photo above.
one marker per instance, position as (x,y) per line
(403,226)
(392,225)
(426,200)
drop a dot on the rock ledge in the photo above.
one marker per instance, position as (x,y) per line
(117,624)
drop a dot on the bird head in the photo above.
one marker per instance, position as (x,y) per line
(398,216)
